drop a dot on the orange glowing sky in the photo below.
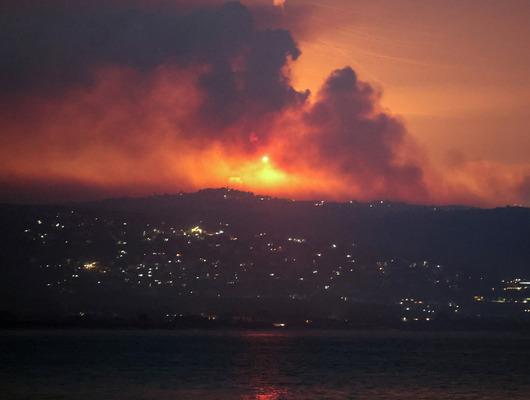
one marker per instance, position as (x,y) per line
(451,77)
(457,71)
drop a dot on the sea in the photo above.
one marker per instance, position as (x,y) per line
(263,365)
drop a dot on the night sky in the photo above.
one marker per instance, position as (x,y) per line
(424,102)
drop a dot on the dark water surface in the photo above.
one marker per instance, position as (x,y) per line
(263,365)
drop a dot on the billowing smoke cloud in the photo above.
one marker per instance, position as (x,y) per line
(52,48)
(362,142)
(117,98)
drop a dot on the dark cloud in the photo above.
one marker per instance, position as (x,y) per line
(258,85)
(198,73)
(297,17)
(53,47)
(364,143)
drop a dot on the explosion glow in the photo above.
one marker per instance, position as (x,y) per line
(260,174)
(193,104)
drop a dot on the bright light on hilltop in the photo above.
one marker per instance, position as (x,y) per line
(258,173)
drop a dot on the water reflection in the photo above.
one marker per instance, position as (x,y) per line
(268,393)
(265,366)
(277,365)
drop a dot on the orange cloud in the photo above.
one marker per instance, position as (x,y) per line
(224,117)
